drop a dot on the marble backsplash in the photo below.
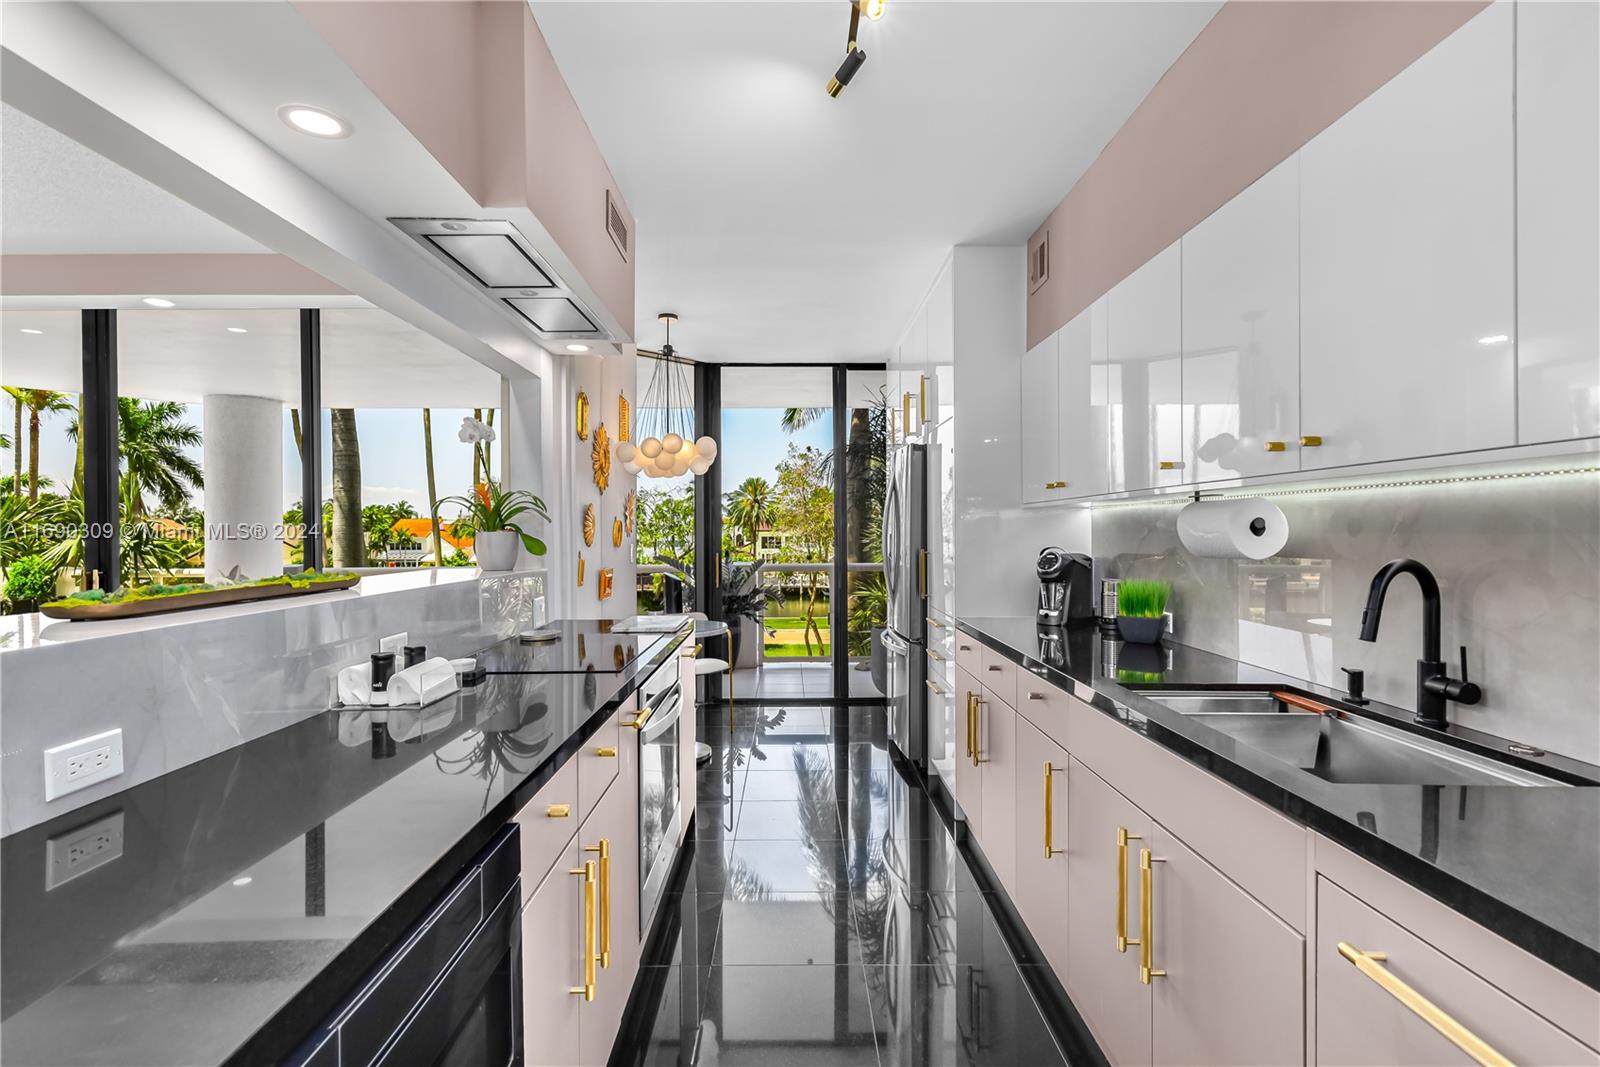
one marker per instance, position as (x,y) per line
(187,686)
(1516,553)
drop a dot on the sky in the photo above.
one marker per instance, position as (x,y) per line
(392,466)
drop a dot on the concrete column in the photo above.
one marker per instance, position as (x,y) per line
(243,459)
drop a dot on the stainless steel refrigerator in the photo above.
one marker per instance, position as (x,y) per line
(905,562)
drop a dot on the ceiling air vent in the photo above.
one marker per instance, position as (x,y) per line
(617,225)
(1039,262)
(500,262)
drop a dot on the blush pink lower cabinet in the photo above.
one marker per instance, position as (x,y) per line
(580,939)
(1170,962)
(1385,996)
(997,770)
(969,777)
(1233,987)
(1102,975)
(687,776)
(1041,841)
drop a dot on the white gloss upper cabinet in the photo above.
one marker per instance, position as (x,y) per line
(1241,333)
(1406,261)
(1081,408)
(1040,437)
(941,357)
(1144,372)
(1558,221)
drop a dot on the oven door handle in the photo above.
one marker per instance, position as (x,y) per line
(663,719)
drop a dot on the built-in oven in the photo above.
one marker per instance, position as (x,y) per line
(450,993)
(659,817)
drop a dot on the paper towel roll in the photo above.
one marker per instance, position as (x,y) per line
(1233,529)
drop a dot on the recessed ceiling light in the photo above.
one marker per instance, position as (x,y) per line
(315,121)
(246,880)
(237,329)
(159,302)
(29,329)
(454,227)
(577,348)
(1494,339)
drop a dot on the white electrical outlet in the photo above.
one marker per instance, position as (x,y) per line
(82,850)
(82,763)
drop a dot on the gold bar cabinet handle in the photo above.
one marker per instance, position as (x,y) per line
(1371,965)
(558,811)
(1276,446)
(1123,940)
(586,990)
(606,752)
(977,731)
(1055,485)
(905,414)
(922,573)
(969,724)
(1049,810)
(1311,440)
(933,687)
(922,398)
(1147,918)
(935,623)
(604,851)
(640,719)
(933,654)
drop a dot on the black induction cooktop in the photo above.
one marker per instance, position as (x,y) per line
(584,645)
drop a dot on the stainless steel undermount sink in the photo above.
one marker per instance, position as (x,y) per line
(1340,747)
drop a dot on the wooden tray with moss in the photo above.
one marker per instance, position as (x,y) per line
(155,599)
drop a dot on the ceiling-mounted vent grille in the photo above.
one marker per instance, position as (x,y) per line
(617,225)
(1039,262)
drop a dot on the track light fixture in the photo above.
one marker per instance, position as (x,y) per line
(854,55)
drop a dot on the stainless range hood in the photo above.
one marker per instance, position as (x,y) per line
(495,258)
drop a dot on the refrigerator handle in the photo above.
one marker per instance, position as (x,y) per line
(895,643)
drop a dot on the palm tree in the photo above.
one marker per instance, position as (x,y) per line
(39,402)
(152,438)
(16,438)
(349,542)
(750,506)
(433,492)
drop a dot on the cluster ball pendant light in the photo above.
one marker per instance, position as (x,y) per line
(667,447)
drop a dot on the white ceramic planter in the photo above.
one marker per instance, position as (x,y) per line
(496,549)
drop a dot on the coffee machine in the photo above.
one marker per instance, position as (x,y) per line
(1065,596)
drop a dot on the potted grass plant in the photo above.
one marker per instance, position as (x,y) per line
(1141,611)
(494,516)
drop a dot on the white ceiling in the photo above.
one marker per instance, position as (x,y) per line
(783,225)
(370,358)
(59,198)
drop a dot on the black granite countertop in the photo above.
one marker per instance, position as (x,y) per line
(1522,861)
(256,887)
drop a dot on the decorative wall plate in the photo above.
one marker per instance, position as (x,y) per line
(605,583)
(580,568)
(601,458)
(616,533)
(624,420)
(588,525)
(628,506)
(581,415)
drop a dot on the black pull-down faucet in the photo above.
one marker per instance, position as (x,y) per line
(1434,684)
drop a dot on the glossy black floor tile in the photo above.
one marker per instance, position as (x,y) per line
(828,915)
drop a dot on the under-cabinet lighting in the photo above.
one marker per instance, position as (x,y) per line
(577,348)
(242,882)
(30,329)
(159,302)
(1180,499)
(237,329)
(1494,339)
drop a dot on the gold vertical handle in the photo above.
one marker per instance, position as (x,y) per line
(1123,940)
(977,731)
(922,398)
(586,990)
(922,573)
(1147,919)
(604,851)
(969,724)
(905,414)
(1049,810)
(1371,965)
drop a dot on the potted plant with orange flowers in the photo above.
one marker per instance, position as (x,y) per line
(493,516)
